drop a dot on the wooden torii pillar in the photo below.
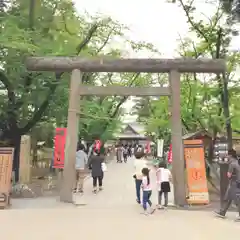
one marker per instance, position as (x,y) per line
(77,65)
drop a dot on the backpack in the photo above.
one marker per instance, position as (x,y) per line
(139,149)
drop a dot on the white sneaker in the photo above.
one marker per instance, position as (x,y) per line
(145,213)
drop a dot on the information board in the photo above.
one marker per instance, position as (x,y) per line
(196,172)
(6,160)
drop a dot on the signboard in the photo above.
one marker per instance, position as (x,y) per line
(196,172)
(59,147)
(159,147)
(25,162)
(6,160)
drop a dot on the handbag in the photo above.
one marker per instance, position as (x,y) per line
(104,167)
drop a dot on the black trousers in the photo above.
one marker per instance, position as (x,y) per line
(160,193)
(228,203)
(98,180)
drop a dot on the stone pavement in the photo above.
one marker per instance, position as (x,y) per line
(112,213)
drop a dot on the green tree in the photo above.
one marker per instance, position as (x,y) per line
(41,28)
(202,97)
(230,7)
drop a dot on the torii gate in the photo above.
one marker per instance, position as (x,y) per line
(78,65)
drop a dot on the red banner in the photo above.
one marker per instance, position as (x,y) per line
(170,154)
(59,146)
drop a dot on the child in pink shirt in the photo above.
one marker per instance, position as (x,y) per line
(147,191)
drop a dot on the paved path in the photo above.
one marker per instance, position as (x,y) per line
(112,213)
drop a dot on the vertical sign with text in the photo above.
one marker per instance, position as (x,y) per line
(196,172)
(159,147)
(59,147)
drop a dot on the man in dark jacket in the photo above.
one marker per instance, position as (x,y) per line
(95,164)
(233,192)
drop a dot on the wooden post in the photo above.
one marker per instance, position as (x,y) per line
(72,138)
(178,165)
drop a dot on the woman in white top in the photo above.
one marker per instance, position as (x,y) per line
(164,177)
(139,164)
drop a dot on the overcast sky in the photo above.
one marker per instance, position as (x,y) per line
(155,21)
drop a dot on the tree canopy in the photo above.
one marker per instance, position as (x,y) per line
(36,102)
(203,105)
(43,28)
(230,7)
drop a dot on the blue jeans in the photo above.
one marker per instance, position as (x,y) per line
(138,184)
(146,199)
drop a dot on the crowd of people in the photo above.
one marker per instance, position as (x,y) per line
(123,152)
(143,183)
(95,163)
(93,160)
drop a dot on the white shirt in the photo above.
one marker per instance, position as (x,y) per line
(139,164)
(145,185)
(165,175)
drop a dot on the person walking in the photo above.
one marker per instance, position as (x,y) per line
(139,164)
(233,192)
(95,165)
(164,177)
(125,153)
(129,151)
(147,192)
(80,166)
(119,153)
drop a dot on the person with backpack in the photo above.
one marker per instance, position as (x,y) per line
(233,192)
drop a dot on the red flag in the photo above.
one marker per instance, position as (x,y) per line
(170,154)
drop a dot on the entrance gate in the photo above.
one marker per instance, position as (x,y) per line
(78,65)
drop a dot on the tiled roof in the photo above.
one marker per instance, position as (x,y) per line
(130,136)
(136,127)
